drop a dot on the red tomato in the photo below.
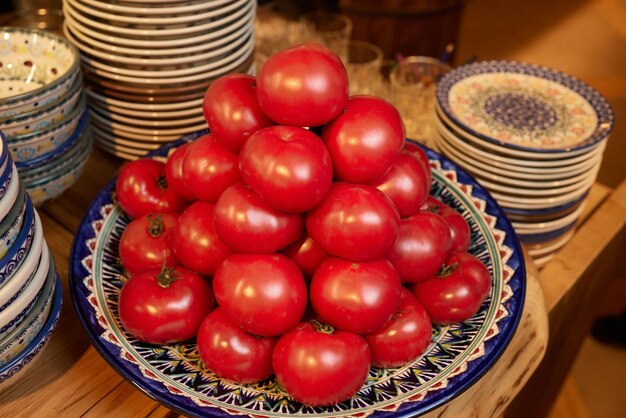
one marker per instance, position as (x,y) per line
(456,293)
(174,173)
(421,156)
(405,183)
(232,111)
(321,367)
(209,169)
(306,85)
(162,306)
(249,225)
(422,247)
(355,297)
(231,353)
(459,228)
(356,222)
(265,294)
(365,139)
(405,337)
(147,242)
(289,167)
(306,253)
(141,188)
(196,243)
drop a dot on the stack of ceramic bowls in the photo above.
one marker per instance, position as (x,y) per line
(533,136)
(30,289)
(147,64)
(43,110)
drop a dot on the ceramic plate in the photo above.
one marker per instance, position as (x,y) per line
(457,356)
(525,106)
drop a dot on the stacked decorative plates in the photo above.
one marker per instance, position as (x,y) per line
(43,110)
(30,289)
(148,63)
(533,136)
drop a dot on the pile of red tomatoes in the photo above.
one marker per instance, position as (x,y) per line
(297,239)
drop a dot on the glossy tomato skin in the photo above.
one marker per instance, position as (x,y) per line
(249,225)
(174,173)
(405,183)
(288,166)
(265,294)
(195,241)
(307,254)
(423,245)
(147,242)
(355,297)
(457,292)
(209,169)
(405,337)
(232,111)
(231,353)
(421,156)
(306,85)
(364,140)
(319,368)
(357,222)
(141,188)
(159,312)
(459,228)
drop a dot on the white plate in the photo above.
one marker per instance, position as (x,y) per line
(147,115)
(159,107)
(535,203)
(105,137)
(140,9)
(113,126)
(540,227)
(106,127)
(540,250)
(159,123)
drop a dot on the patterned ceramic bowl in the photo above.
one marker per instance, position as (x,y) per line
(13,259)
(37,67)
(47,116)
(17,340)
(33,145)
(24,358)
(13,288)
(9,189)
(5,157)
(12,224)
(12,316)
(457,355)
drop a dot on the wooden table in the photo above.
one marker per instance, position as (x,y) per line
(71,379)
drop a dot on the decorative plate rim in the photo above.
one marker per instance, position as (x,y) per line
(601,106)
(102,206)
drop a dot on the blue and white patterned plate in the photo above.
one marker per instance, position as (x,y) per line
(172,374)
(524,106)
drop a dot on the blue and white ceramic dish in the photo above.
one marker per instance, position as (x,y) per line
(458,355)
(524,106)
(37,67)
(24,358)
(13,259)
(28,147)
(5,157)
(9,189)
(14,314)
(17,340)
(12,224)
(50,115)
(14,287)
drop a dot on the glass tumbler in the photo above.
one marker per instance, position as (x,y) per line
(330,29)
(363,67)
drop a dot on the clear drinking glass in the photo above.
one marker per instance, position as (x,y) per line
(271,30)
(330,29)
(39,14)
(363,66)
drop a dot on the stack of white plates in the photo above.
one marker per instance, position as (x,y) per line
(30,289)
(533,136)
(148,63)
(43,110)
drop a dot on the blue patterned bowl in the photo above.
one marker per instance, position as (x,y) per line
(21,361)
(11,225)
(9,190)
(11,262)
(173,374)
(17,340)
(37,67)
(18,310)
(4,154)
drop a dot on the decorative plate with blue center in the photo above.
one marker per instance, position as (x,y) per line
(524,106)
(175,376)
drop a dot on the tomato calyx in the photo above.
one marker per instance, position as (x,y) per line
(155,225)
(323,328)
(432,209)
(447,270)
(166,277)
(162,182)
